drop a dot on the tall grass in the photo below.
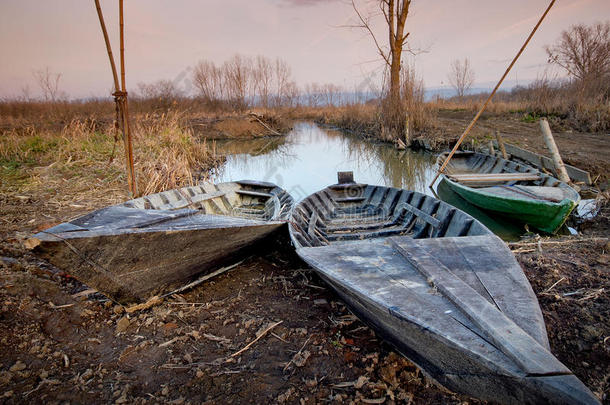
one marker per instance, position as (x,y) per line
(85,153)
(169,155)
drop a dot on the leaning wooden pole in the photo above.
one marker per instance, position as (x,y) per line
(560,168)
(115,76)
(476,117)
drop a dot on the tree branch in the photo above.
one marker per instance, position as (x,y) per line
(365,25)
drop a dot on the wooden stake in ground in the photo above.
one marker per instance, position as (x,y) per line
(476,117)
(560,168)
(120,95)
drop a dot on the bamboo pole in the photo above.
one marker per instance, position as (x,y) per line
(560,168)
(131,178)
(108,47)
(476,117)
(120,94)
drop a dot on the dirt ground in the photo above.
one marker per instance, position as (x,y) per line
(587,151)
(63,344)
(246,126)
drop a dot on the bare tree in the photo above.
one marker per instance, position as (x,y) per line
(282,73)
(331,93)
(237,72)
(461,76)
(291,95)
(313,92)
(49,84)
(243,81)
(161,94)
(583,51)
(262,75)
(395,13)
(208,79)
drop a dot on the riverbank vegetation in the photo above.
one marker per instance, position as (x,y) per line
(247,97)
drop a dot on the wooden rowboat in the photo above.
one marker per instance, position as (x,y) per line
(439,286)
(134,250)
(510,189)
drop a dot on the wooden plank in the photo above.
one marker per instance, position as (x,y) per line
(513,341)
(422,215)
(403,304)
(350,199)
(484,177)
(255,183)
(576,174)
(485,263)
(254,193)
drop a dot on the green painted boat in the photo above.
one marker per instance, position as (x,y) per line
(511,189)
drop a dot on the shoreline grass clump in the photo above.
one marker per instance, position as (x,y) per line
(169,155)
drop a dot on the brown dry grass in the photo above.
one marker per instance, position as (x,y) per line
(575,105)
(80,156)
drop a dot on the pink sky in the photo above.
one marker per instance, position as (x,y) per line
(165,38)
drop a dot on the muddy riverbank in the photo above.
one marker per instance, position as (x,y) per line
(587,151)
(62,343)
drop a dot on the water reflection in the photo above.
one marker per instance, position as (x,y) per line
(309,157)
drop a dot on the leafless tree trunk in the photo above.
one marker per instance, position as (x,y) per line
(162,93)
(461,76)
(331,94)
(242,81)
(395,13)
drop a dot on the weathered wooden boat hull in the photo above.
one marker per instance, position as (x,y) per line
(402,316)
(545,216)
(135,250)
(451,298)
(544,203)
(132,266)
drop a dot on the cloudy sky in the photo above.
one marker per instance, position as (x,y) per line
(164,38)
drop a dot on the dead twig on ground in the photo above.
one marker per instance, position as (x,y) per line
(556,242)
(263,333)
(202,279)
(145,305)
(297,354)
(553,286)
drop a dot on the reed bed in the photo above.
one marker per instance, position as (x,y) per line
(86,156)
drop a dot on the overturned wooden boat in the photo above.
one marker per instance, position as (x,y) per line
(511,189)
(136,249)
(439,286)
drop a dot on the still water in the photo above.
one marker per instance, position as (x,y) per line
(309,157)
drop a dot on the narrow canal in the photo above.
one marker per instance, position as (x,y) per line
(308,158)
